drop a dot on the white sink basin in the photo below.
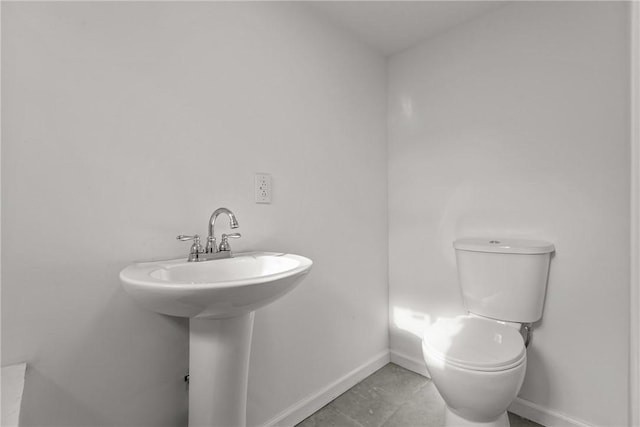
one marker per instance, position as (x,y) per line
(214,289)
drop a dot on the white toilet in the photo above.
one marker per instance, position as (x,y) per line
(478,361)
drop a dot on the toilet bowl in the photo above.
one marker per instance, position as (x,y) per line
(478,366)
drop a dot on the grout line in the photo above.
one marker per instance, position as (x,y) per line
(384,395)
(342,413)
(392,414)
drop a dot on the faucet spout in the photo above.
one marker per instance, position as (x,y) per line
(233,222)
(211,239)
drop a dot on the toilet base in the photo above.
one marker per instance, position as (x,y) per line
(453,420)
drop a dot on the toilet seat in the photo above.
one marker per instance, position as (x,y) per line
(475,344)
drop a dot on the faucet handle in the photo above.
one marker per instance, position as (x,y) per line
(224,242)
(184,238)
(196,248)
(231,236)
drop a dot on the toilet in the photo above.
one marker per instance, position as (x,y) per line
(477,362)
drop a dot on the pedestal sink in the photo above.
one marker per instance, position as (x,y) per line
(219,297)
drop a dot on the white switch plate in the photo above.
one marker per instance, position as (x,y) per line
(263,188)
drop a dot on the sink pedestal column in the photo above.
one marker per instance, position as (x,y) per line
(219,371)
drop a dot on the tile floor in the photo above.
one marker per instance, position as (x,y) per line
(390,397)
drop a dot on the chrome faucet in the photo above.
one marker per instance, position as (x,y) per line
(211,238)
(212,249)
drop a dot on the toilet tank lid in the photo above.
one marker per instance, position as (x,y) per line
(505,246)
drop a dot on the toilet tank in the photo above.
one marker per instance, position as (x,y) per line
(504,279)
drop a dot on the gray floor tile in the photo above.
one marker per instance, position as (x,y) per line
(518,421)
(395,383)
(365,405)
(329,417)
(390,397)
(424,409)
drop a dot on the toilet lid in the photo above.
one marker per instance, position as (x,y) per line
(474,343)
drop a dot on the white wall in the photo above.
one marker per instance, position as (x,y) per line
(125,124)
(516,124)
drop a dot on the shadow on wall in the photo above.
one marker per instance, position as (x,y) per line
(41,391)
(101,374)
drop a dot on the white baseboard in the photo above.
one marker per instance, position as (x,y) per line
(415,365)
(307,406)
(544,416)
